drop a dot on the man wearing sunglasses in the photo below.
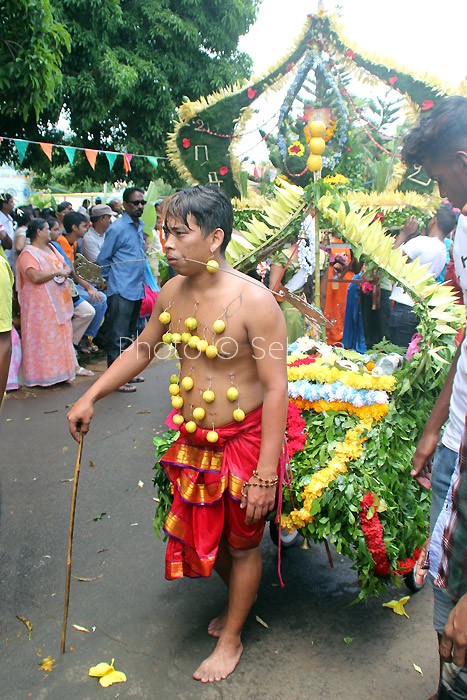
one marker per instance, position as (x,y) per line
(123,261)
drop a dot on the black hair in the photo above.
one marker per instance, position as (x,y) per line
(24,215)
(446,219)
(51,220)
(33,227)
(129,191)
(47,211)
(5,197)
(62,206)
(209,206)
(439,134)
(73,218)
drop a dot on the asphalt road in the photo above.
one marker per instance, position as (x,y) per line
(155,629)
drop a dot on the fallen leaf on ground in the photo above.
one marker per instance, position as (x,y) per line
(99,551)
(27,419)
(107,674)
(27,623)
(99,517)
(47,664)
(80,629)
(64,449)
(91,464)
(418,669)
(63,481)
(8,420)
(87,580)
(140,484)
(144,410)
(55,410)
(397,606)
(261,622)
(348,640)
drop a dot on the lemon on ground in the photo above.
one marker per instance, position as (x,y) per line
(174,389)
(187,383)
(218,326)
(191,323)
(238,415)
(232,393)
(314,163)
(209,395)
(317,145)
(211,351)
(165,317)
(178,419)
(191,426)
(198,413)
(177,401)
(317,128)
(167,338)
(174,378)
(212,436)
(186,337)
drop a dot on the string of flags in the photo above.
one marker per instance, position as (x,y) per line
(91,154)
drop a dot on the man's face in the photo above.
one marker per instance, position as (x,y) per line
(451,176)
(186,242)
(82,228)
(116,206)
(9,206)
(135,205)
(103,223)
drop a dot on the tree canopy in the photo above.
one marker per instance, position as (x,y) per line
(130,65)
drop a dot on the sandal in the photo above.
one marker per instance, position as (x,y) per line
(83,348)
(136,380)
(83,372)
(126,389)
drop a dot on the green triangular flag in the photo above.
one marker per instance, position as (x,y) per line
(111,157)
(21,147)
(70,153)
(153,161)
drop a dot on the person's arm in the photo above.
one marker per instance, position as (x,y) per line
(453,645)
(39,277)
(131,362)
(5,240)
(276,273)
(408,231)
(268,338)
(20,242)
(105,257)
(432,432)
(5,357)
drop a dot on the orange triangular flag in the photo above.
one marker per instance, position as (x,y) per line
(47,148)
(126,161)
(91,155)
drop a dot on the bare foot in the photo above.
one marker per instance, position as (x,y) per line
(216,625)
(221,663)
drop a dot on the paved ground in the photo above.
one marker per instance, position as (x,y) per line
(153,628)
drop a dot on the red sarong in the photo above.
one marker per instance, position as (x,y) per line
(207,480)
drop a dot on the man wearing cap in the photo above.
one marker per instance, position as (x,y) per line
(123,262)
(101,215)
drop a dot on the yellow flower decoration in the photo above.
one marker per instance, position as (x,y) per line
(376,412)
(325,374)
(296,148)
(397,606)
(107,674)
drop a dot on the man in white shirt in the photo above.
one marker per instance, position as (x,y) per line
(7,204)
(101,216)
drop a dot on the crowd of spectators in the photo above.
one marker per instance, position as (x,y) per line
(60,317)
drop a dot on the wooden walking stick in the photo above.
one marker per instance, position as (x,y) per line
(70,540)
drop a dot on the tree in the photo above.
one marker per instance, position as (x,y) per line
(131,62)
(32,45)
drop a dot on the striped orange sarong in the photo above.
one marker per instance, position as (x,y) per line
(207,481)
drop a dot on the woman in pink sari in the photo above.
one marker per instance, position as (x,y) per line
(46,310)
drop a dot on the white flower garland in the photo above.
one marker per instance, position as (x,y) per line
(306,245)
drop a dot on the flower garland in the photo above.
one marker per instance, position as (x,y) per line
(376,412)
(306,245)
(325,374)
(347,451)
(373,533)
(296,148)
(296,427)
(337,391)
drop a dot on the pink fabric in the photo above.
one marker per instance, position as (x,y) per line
(15,364)
(46,311)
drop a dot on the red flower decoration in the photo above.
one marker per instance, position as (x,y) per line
(186,143)
(350,54)
(392,80)
(224,170)
(251,93)
(302,361)
(294,149)
(427,104)
(295,431)
(373,532)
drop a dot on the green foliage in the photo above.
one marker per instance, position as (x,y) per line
(130,64)
(160,480)
(32,46)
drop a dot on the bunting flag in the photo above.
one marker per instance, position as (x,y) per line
(70,153)
(111,157)
(47,148)
(21,147)
(91,155)
(153,160)
(126,162)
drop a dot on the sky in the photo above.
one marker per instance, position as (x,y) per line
(414,33)
(425,35)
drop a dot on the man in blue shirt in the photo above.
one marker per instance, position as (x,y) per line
(123,261)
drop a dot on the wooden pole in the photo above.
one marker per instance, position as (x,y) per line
(70,541)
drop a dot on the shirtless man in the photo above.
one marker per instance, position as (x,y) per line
(227,468)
